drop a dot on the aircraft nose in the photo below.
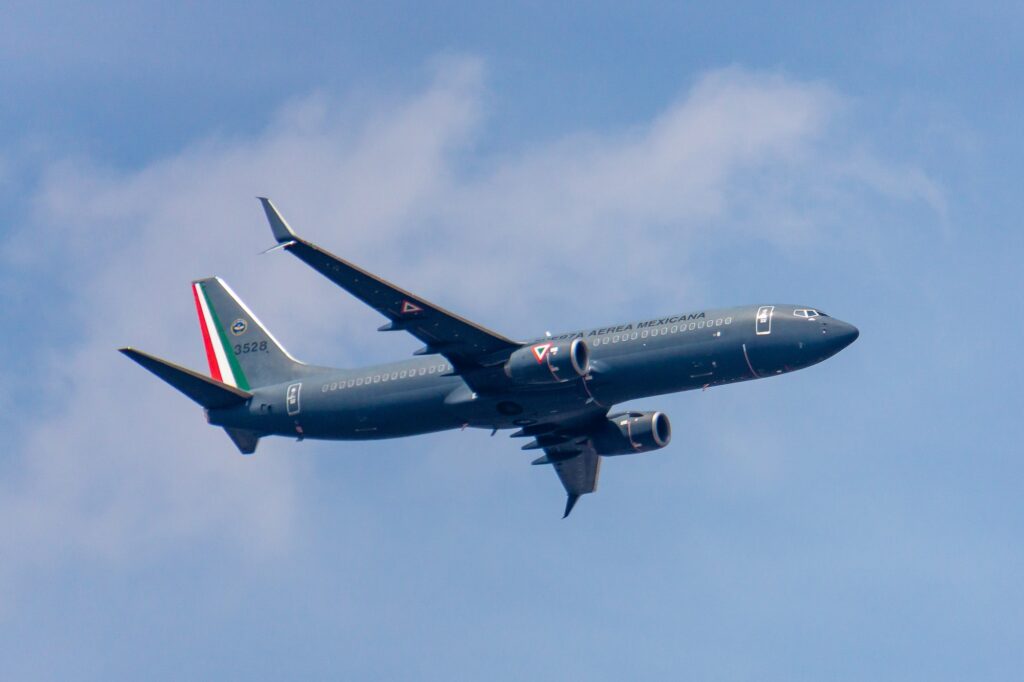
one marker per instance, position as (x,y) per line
(842,334)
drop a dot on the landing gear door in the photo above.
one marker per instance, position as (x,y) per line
(763,324)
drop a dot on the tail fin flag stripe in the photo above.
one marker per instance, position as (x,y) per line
(211,356)
(236,369)
(238,347)
(223,357)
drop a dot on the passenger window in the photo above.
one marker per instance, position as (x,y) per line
(675,328)
(359,381)
(700,325)
(615,339)
(633,336)
(376,379)
(693,326)
(402,374)
(423,371)
(728,320)
(643,334)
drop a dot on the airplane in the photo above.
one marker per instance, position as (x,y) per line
(558,390)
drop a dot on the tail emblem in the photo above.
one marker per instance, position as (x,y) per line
(238,327)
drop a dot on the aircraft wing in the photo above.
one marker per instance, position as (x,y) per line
(466,344)
(578,474)
(569,447)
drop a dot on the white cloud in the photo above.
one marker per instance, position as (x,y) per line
(122,468)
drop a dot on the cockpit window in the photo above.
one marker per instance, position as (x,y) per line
(808,312)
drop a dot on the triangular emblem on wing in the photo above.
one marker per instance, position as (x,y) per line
(410,308)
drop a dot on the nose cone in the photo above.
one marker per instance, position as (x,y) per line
(841,334)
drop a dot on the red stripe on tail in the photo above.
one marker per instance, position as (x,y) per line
(211,357)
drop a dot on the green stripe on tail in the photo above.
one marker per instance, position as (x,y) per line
(229,353)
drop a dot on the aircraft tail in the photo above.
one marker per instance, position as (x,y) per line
(207,392)
(240,350)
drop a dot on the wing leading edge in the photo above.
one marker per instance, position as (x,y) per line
(466,344)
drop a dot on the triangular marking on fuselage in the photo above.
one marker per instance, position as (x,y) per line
(409,308)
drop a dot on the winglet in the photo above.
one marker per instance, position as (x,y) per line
(569,504)
(282,232)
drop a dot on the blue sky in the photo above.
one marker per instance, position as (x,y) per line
(533,168)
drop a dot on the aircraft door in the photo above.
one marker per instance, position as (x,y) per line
(292,399)
(763,323)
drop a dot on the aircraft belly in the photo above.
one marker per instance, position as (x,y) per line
(517,407)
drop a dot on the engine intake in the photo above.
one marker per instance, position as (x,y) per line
(549,362)
(632,432)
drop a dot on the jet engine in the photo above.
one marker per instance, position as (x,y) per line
(549,362)
(632,432)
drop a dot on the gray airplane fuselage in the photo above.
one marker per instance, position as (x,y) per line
(559,390)
(634,360)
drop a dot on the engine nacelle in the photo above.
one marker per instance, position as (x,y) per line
(549,362)
(632,432)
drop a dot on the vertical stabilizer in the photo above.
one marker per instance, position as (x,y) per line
(240,350)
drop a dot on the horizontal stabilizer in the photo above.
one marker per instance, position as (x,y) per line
(209,393)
